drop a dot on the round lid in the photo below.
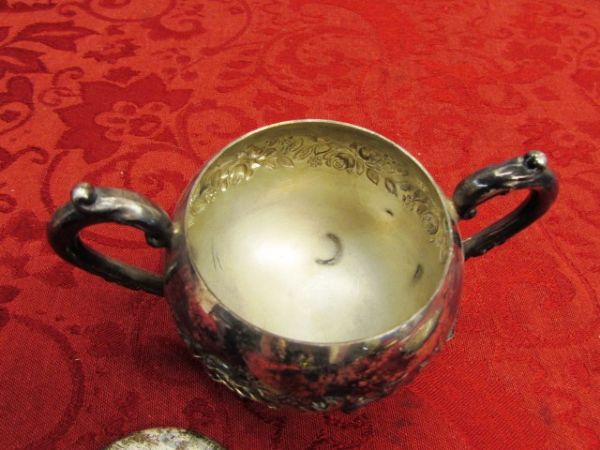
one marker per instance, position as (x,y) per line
(165,439)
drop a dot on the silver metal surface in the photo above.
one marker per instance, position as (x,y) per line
(318,233)
(91,205)
(529,171)
(165,439)
(312,263)
(316,267)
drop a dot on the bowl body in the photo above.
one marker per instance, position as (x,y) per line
(314,264)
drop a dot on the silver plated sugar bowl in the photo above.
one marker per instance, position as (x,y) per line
(310,263)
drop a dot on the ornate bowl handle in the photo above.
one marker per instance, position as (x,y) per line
(91,205)
(529,171)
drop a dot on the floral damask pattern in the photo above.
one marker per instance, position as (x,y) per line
(15,57)
(15,103)
(139,94)
(110,115)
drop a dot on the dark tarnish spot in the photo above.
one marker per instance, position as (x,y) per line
(390,212)
(418,272)
(456,238)
(337,254)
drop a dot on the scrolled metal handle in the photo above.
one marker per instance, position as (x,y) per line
(91,205)
(529,171)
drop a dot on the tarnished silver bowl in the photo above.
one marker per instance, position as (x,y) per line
(310,263)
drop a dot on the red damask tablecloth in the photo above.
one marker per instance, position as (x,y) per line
(138,94)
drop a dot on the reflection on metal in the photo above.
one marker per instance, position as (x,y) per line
(241,277)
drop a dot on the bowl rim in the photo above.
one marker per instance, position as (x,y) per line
(415,319)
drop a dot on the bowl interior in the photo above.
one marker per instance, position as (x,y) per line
(318,231)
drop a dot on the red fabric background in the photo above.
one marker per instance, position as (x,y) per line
(139,94)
